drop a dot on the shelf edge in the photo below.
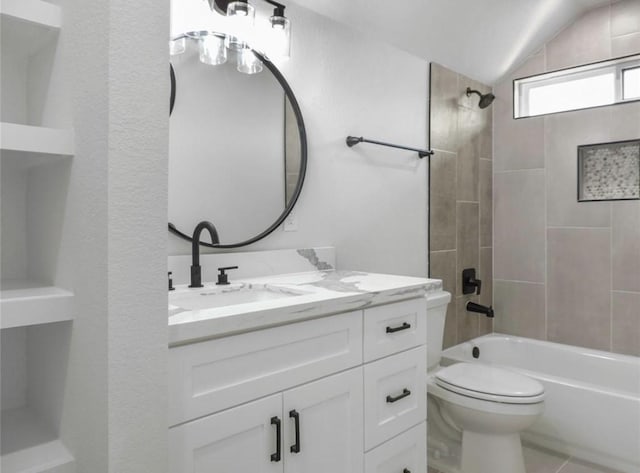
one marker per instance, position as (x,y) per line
(36,139)
(37,12)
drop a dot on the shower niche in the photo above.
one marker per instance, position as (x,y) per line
(609,171)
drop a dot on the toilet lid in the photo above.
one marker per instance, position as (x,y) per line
(484,381)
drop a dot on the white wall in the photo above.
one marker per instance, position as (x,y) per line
(368,202)
(138,88)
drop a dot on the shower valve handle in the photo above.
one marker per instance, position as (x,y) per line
(470,284)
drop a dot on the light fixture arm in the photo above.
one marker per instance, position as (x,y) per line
(221,6)
(279,10)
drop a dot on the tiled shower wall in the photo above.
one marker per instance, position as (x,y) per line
(566,271)
(460,197)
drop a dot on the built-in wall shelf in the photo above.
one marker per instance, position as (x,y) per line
(36,139)
(30,446)
(24,303)
(29,24)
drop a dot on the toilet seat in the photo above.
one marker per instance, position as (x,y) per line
(488,383)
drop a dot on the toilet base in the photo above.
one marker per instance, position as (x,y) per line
(487,453)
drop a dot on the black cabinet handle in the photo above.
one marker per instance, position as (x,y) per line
(405,393)
(295,448)
(275,457)
(404,326)
(406,470)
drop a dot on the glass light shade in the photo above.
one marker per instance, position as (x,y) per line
(279,37)
(248,63)
(240,18)
(212,50)
(177,46)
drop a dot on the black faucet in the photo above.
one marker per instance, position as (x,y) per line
(480,309)
(196,271)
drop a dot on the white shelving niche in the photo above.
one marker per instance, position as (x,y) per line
(36,146)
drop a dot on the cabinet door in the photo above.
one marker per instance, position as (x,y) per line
(329,416)
(238,440)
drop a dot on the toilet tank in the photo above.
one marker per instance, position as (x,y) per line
(437,303)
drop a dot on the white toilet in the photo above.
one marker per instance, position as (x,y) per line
(488,405)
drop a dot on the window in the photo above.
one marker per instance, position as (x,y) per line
(631,83)
(593,85)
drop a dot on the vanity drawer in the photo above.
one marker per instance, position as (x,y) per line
(406,452)
(395,396)
(394,327)
(210,376)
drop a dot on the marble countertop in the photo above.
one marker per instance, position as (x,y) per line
(317,293)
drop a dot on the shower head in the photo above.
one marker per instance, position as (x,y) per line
(485,99)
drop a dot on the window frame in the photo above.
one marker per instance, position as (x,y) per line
(522,85)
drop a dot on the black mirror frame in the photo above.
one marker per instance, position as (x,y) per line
(303,157)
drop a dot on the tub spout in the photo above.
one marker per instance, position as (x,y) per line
(480,309)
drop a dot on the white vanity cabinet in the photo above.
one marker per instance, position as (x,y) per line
(314,428)
(318,396)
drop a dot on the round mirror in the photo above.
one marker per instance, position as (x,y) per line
(237,147)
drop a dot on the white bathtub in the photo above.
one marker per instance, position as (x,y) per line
(592,405)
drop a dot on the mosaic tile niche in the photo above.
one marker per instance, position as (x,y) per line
(609,171)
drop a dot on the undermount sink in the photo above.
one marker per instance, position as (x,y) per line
(235,294)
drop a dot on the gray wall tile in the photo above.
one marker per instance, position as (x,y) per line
(564,133)
(626,246)
(442,195)
(587,40)
(443,266)
(625,17)
(625,120)
(469,130)
(485,324)
(458,124)
(450,326)
(468,228)
(576,315)
(520,309)
(486,203)
(467,322)
(486,133)
(625,45)
(519,143)
(626,323)
(444,128)
(519,226)
(579,297)
(444,83)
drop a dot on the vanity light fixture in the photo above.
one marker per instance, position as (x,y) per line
(242,14)
(280,32)
(240,37)
(241,18)
(248,63)
(212,49)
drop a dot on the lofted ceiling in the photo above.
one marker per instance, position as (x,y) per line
(483,39)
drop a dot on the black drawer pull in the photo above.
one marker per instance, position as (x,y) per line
(406,470)
(404,326)
(276,457)
(405,393)
(295,448)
